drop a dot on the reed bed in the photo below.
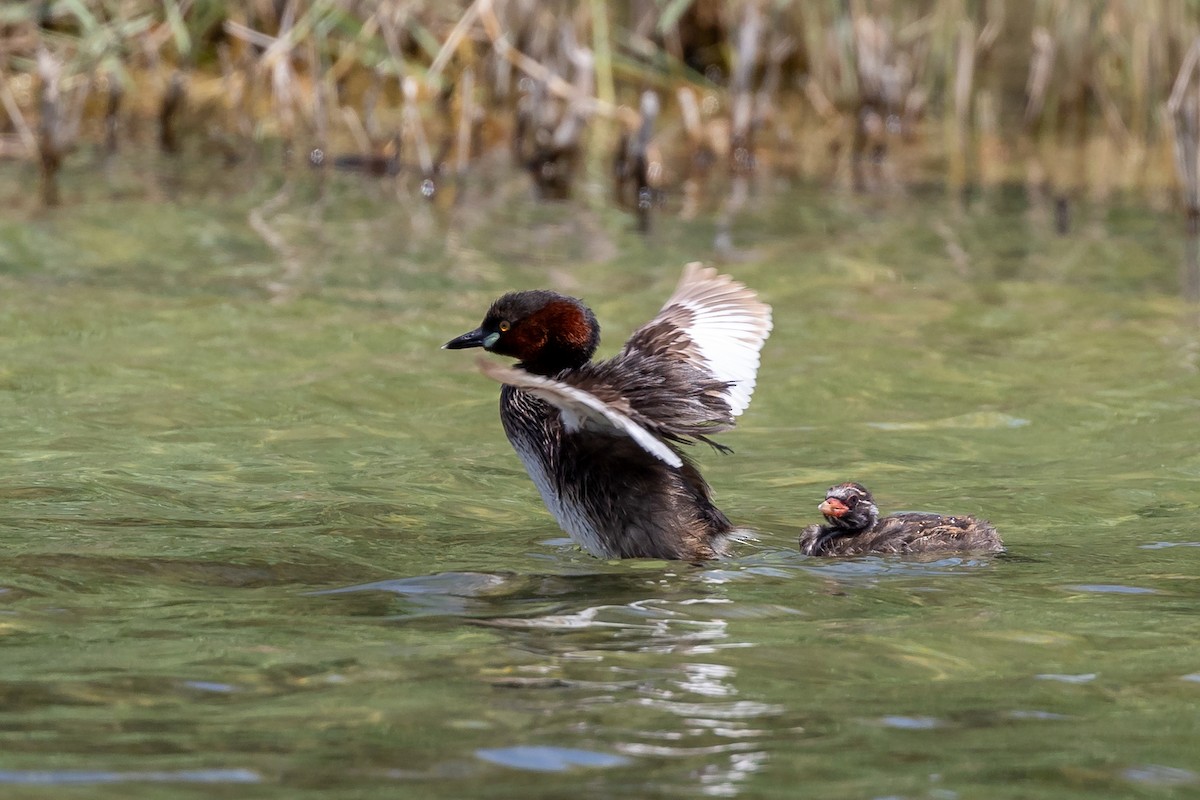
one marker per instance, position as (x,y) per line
(684,99)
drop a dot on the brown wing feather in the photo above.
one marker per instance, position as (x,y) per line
(583,408)
(714,324)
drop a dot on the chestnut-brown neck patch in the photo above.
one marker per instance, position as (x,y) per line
(560,335)
(565,321)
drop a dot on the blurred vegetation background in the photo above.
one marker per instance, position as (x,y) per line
(1069,97)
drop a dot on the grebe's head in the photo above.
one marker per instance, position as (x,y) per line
(546,331)
(850,507)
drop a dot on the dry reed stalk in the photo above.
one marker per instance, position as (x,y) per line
(243,93)
(28,139)
(818,99)
(741,142)
(782,46)
(689,111)
(370,102)
(871,48)
(526,119)
(1140,59)
(1184,107)
(548,132)
(745,59)
(112,110)
(449,47)
(872,45)
(414,128)
(964,75)
(1111,113)
(987,150)
(357,130)
(350,54)
(539,72)
(574,121)
(1105,62)
(1077,39)
(602,130)
(233,91)
(466,116)
(964,82)
(634,168)
(700,155)
(1041,69)
(322,95)
(51,144)
(278,60)
(392,21)
(59,120)
(322,99)
(172,102)
(606,92)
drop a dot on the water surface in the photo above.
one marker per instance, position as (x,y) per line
(262,536)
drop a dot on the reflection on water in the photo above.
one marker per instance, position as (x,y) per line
(75,777)
(1190,272)
(684,708)
(575,659)
(1085,678)
(1159,775)
(286,543)
(548,759)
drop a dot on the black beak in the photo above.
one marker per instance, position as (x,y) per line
(469,339)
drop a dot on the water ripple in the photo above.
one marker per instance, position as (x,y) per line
(544,758)
(741,709)
(78,776)
(211,686)
(1086,677)
(724,782)
(911,723)
(643,749)
(1159,775)
(909,566)
(460,584)
(1110,588)
(979,420)
(1035,714)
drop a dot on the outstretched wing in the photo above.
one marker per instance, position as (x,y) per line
(581,409)
(715,324)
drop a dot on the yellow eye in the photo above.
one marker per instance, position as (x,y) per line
(504,326)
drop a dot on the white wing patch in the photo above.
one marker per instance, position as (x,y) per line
(728,327)
(580,409)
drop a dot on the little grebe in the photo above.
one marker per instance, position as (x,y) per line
(599,439)
(855,529)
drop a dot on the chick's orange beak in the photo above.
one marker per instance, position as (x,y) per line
(832,507)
